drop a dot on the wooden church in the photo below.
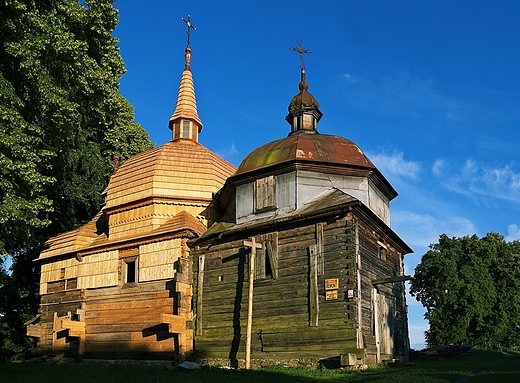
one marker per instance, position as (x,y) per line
(288,259)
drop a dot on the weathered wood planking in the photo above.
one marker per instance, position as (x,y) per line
(286,298)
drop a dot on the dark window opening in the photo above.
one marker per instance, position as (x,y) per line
(268,268)
(267,261)
(130,272)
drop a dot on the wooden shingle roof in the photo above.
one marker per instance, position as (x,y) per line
(181,169)
(73,240)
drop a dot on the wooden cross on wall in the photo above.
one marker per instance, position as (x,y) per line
(190,26)
(253,245)
(301,51)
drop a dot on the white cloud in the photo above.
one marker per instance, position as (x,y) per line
(395,165)
(229,152)
(397,93)
(350,78)
(513,233)
(478,180)
(422,229)
(416,331)
(438,166)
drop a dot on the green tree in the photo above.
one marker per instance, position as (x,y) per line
(61,120)
(22,184)
(470,287)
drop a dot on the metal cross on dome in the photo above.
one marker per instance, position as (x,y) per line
(301,52)
(189,25)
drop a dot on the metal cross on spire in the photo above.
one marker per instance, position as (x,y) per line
(299,49)
(190,26)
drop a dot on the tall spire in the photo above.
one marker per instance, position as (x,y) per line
(185,121)
(304,112)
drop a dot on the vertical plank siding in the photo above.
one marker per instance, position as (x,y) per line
(156,260)
(99,270)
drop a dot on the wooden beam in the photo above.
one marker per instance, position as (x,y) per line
(400,278)
(319,249)
(34,330)
(272,253)
(375,304)
(176,323)
(313,287)
(253,245)
(64,323)
(200,282)
(358,286)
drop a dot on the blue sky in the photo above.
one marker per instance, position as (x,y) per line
(430,91)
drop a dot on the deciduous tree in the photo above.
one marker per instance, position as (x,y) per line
(470,287)
(61,120)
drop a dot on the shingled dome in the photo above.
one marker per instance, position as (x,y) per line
(178,169)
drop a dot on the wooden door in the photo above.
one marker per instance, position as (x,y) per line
(386,324)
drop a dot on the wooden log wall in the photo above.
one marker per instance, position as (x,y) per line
(121,320)
(126,323)
(282,317)
(119,323)
(60,304)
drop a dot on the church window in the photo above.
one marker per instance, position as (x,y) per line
(130,270)
(267,259)
(185,129)
(129,265)
(308,122)
(265,194)
(381,250)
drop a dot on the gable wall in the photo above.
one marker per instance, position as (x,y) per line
(156,260)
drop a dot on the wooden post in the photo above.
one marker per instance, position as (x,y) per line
(375,300)
(314,308)
(319,249)
(358,288)
(200,288)
(253,245)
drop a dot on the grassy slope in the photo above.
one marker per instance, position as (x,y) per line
(501,367)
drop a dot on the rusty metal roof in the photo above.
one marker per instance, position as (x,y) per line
(316,147)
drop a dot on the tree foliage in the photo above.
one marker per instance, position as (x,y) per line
(470,287)
(61,120)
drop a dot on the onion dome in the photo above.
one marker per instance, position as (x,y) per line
(304,110)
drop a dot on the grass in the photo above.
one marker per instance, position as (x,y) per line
(482,366)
